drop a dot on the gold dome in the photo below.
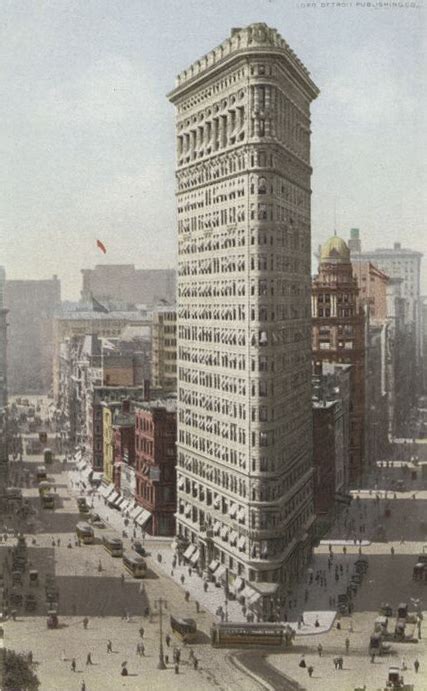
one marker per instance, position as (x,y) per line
(335,251)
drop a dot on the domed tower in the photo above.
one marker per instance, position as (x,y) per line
(338,330)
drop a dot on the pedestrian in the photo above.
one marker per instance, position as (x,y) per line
(350,626)
(58,542)
(141,588)
(338,625)
(320,649)
(195,663)
(310,670)
(178,655)
(89,659)
(187,596)
(85,622)
(347,645)
(416,665)
(373,658)
(168,640)
(190,571)
(141,632)
(182,579)
(392,551)
(205,586)
(122,579)
(109,647)
(176,668)
(124,672)
(317,623)
(302,662)
(73,664)
(340,663)
(142,649)
(336,662)
(197,607)
(83,686)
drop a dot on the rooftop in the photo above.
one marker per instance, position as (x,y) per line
(335,251)
(169,403)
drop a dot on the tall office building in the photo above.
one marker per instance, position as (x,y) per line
(245,500)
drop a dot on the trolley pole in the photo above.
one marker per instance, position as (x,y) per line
(160,603)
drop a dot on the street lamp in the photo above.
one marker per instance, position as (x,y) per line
(159,604)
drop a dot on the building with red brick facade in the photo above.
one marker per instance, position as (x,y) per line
(155,454)
(338,331)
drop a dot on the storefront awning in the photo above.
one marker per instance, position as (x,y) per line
(247,592)
(135,512)
(220,572)
(143,518)
(189,551)
(112,498)
(213,565)
(195,557)
(126,505)
(97,476)
(105,490)
(238,584)
(254,598)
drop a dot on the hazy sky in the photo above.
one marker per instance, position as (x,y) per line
(87,135)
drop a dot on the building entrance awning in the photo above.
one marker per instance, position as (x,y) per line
(189,551)
(135,512)
(194,557)
(143,518)
(213,565)
(112,498)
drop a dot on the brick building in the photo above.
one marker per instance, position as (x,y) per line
(338,330)
(155,452)
(124,282)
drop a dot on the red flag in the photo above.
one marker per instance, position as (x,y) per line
(101,246)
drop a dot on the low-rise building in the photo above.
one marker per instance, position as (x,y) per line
(164,348)
(155,451)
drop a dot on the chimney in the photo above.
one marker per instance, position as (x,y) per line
(146,389)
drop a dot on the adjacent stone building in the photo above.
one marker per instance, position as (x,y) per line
(245,492)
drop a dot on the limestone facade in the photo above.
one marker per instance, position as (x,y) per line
(245,495)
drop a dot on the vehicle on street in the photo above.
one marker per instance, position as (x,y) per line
(41,473)
(82,505)
(402,611)
(420,572)
(113,545)
(386,610)
(377,645)
(135,565)
(184,628)
(85,533)
(381,625)
(139,549)
(52,619)
(229,634)
(48,500)
(48,456)
(399,630)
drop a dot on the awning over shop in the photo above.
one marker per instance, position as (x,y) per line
(254,597)
(220,572)
(238,584)
(213,565)
(134,513)
(105,490)
(195,557)
(247,592)
(97,476)
(143,518)
(126,506)
(189,551)
(112,498)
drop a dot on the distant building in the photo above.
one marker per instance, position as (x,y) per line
(163,348)
(338,328)
(404,263)
(124,282)
(4,455)
(155,450)
(90,321)
(31,305)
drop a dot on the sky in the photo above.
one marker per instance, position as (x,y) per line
(87,146)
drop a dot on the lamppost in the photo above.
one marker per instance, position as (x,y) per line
(159,604)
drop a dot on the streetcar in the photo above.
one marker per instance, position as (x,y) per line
(184,628)
(229,634)
(48,500)
(135,565)
(41,473)
(113,545)
(85,533)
